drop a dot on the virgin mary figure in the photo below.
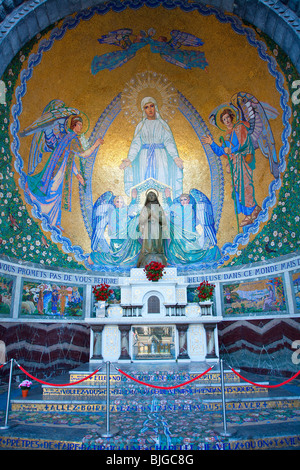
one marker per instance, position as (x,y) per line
(153,152)
(154,231)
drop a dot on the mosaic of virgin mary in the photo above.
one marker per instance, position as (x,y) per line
(153,152)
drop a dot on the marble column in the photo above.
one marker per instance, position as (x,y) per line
(210,340)
(183,353)
(124,329)
(97,342)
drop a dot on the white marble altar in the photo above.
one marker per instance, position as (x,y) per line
(154,321)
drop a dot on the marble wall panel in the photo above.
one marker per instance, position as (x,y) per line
(41,348)
(264,346)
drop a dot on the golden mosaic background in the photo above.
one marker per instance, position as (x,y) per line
(64,73)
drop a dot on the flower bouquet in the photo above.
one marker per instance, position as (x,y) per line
(154,270)
(102,292)
(25,386)
(205,291)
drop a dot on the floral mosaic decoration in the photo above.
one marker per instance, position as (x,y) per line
(20,236)
(280,236)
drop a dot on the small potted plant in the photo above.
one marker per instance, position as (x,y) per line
(25,386)
(205,295)
(154,271)
(102,293)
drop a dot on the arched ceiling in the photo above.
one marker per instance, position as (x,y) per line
(20,21)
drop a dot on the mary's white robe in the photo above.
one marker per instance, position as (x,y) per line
(152,153)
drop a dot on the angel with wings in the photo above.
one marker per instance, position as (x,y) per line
(115,231)
(192,228)
(51,188)
(169,50)
(247,125)
(128,49)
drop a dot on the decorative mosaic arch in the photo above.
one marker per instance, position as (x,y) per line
(105,120)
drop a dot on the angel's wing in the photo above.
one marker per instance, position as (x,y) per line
(258,115)
(47,131)
(184,58)
(115,37)
(112,60)
(54,110)
(100,217)
(205,216)
(180,38)
(174,59)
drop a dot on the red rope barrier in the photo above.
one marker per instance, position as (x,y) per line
(57,385)
(163,388)
(265,386)
(4,364)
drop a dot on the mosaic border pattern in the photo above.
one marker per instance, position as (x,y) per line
(249,444)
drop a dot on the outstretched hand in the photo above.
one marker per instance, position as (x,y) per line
(179,162)
(80,179)
(99,141)
(207,140)
(125,163)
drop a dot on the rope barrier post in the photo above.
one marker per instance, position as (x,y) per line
(109,432)
(6,426)
(224,433)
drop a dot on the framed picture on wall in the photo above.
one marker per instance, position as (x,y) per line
(256,297)
(51,300)
(6,294)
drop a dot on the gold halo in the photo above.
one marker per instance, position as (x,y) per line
(149,84)
(85,122)
(219,112)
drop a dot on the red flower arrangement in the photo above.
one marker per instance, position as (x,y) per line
(102,292)
(205,291)
(154,271)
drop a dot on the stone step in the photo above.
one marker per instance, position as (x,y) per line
(139,390)
(253,404)
(203,394)
(154,404)
(154,378)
